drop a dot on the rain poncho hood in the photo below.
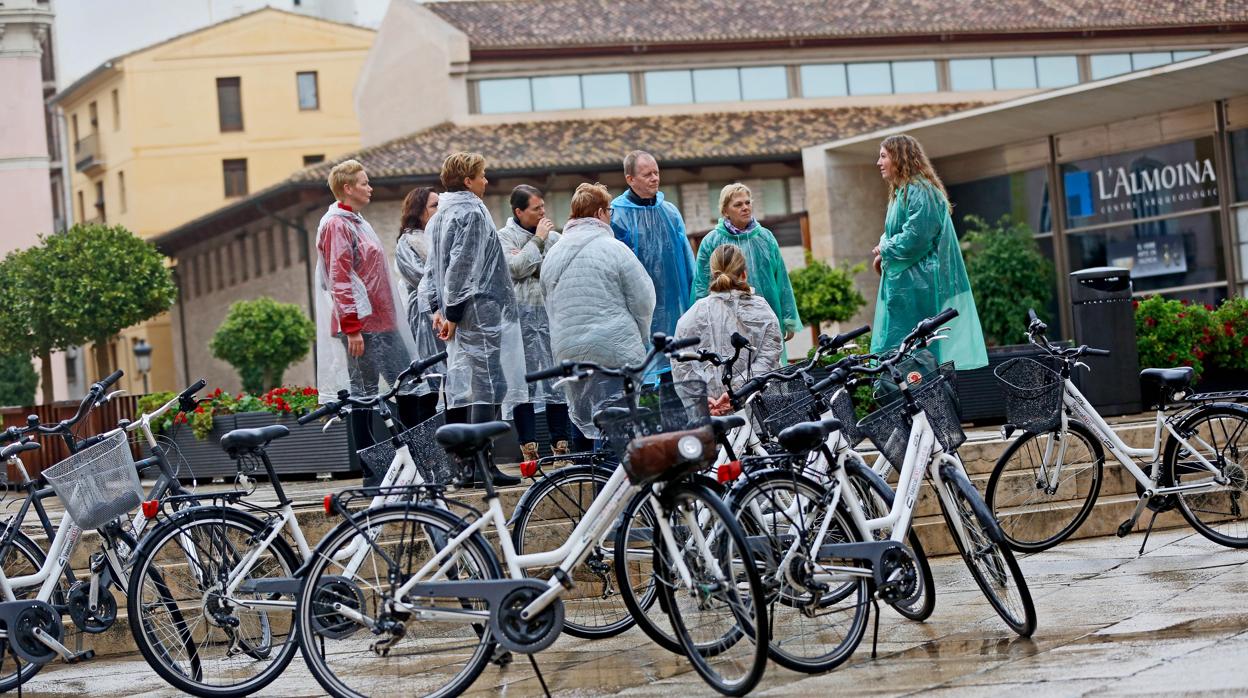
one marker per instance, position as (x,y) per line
(411,260)
(472,287)
(923,273)
(525,253)
(656,234)
(764,265)
(354,293)
(600,302)
(714,319)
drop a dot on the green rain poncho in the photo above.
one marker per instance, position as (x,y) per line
(924,274)
(764,266)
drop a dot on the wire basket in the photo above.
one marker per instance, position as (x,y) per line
(1033,388)
(433,462)
(889,427)
(843,410)
(767,408)
(98,483)
(659,409)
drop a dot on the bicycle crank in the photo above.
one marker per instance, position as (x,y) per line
(91,620)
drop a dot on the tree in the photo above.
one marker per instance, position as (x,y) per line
(261,338)
(1008,275)
(18,381)
(825,293)
(27,327)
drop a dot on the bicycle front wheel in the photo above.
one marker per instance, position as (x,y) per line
(1044,486)
(712,589)
(1219,434)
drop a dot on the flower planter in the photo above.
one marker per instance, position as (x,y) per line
(307,451)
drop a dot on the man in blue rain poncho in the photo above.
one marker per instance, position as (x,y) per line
(655,231)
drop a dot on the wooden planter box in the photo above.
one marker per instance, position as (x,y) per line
(307,451)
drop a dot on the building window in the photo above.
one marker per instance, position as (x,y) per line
(502,96)
(309,98)
(716,85)
(827,80)
(556,92)
(668,87)
(230,104)
(605,90)
(309,160)
(94,112)
(1239,164)
(73,121)
(914,76)
(771,82)
(235,177)
(82,208)
(1109,64)
(116,111)
(869,79)
(1057,71)
(121,191)
(1014,73)
(99,201)
(970,74)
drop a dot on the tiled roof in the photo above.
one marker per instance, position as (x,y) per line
(598,143)
(503,24)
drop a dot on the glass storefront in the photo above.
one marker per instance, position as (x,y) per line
(1024,196)
(1239,214)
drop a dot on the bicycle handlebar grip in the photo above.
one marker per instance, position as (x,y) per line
(194,388)
(113,378)
(1096,352)
(1031,316)
(422,365)
(837,376)
(682,343)
(844,338)
(327,408)
(945,316)
(750,387)
(562,369)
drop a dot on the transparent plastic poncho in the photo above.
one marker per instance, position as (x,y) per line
(411,260)
(525,253)
(714,319)
(923,273)
(485,362)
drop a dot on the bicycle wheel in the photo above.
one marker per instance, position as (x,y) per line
(23,558)
(635,567)
(815,625)
(403,654)
(875,505)
(1038,508)
(192,631)
(1219,433)
(544,519)
(992,564)
(719,612)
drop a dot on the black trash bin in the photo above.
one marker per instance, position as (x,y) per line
(1104,318)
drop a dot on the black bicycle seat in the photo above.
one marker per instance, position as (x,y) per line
(723,425)
(807,436)
(1176,378)
(246,439)
(609,414)
(463,439)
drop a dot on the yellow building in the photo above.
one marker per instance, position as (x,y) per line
(173,131)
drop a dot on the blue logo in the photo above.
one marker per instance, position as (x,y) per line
(1078,194)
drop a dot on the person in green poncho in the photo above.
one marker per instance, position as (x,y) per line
(764,265)
(919,260)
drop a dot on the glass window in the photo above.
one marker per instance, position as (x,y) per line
(1109,64)
(827,80)
(668,87)
(869,79)
(914,76)
(559,207)
(1241,224)
(1057,71)
(1024,196)
(309,160)
(556,92)
(774,199)
(771,82)
(229,104)
(671,193)
(716,85)
(1160,254)
(1186,55)
(505,95)
(1239,165)
(308,97)
(1014,73)
(1140,61)
(606,90)
(970,74)
(235,172)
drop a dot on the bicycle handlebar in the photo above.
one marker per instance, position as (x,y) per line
(416,368)
(1036,330)
(660,345)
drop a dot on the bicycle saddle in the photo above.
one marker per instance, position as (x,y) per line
(464,439)
(807,436)
(609,414)
(723,425)
(244,439)
(1177,378)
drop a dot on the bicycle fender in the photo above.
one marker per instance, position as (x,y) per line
(856,469)
(978,505)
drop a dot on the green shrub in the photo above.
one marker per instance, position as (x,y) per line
(18,381)
(1230,335)
(1173,333)
(1008,275)
(261,338)
(825,293)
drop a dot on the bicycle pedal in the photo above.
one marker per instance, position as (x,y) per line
(1124,528)
(78,657)
(501,658)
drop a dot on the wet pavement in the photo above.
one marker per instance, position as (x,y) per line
(1172,622)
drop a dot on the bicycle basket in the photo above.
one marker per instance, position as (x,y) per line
(98,483)
(843,410)
(661,409)
(433,462)
(799,408)
(776,398)
(1033,388)
(889,427)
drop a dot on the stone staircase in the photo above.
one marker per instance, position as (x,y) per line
(980,453)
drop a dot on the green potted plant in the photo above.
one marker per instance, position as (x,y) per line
(261,338)
(825,293)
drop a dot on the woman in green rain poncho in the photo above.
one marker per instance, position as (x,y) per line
(919,260)
(765,266)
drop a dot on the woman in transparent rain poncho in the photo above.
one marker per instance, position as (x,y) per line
(600,301)
(527,238)
(362,342)
(411,260)
(730,306)
(473,301)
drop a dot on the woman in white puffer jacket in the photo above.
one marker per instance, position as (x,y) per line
(599,299)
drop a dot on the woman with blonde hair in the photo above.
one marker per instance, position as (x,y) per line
(919,259)
(729,306)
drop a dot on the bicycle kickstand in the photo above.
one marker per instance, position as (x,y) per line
(875,634)
(1149,532)
(540,679)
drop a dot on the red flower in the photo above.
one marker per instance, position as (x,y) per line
(199,410)
(1228,329)
(1151,322)
(1244,342)
(1185,302)
(1208,307)
(1199,354)
(1182,315)
(1172,357)
(1135,304)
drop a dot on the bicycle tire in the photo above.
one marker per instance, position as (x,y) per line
(1230,505)
(554,505)
(151,571)
(1029,525)
(316,622)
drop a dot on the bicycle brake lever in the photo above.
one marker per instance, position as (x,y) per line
(330,422)
(572,378)
(1080,363)
(111,395)
(935,337)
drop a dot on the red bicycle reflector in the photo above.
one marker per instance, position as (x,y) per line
(329,504)
(528,468)
(729,472)
(151,507)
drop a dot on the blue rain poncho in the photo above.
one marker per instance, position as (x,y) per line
(764,266)
(472,287)
(525,253)
(923,273)
(656,234)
